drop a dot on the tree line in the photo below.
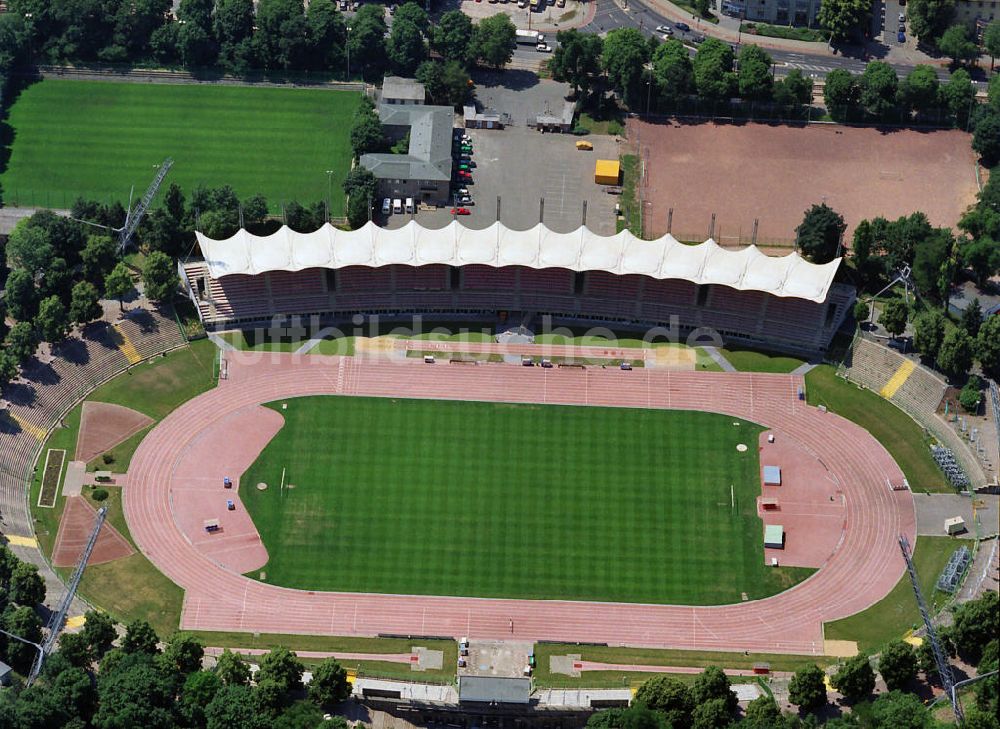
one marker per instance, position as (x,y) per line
(240,36)
(55,270)
(650,75)
(667,702)
(98,679)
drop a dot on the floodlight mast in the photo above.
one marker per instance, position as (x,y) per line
(940,658)
(134,216)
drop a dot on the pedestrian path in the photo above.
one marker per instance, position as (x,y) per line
(719,359)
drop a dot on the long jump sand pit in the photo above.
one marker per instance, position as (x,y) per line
(774,173)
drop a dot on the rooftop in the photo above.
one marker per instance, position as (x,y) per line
(407,89)
(491,689)
(429,154)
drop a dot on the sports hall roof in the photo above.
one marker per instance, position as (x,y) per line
(582,250)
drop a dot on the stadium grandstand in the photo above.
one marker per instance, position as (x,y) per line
(781,303)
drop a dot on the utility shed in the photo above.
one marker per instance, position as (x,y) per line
(772,475)
(493,690)
(607,171)
(774,536)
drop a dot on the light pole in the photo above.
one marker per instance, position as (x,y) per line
(329,193)
(347,45)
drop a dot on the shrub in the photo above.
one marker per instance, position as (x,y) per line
(970,396)
(99,495)
(108,459)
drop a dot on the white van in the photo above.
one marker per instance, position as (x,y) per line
(397,206)
(409,204)
(386,206)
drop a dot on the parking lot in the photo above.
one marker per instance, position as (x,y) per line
(525,174)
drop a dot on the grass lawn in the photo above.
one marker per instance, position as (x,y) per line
(897,612)
(747,360)
(342,644)
(97,139)
(651,657)
(497,500)
(631,206)
(132,587)
(893,428)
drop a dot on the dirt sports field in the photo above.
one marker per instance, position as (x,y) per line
(774,173)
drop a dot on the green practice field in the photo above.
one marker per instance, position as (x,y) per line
(97,139)
(496,500)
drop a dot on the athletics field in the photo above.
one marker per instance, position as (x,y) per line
(97,139)
(525,501)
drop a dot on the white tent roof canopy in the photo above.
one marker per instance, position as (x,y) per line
(455,245)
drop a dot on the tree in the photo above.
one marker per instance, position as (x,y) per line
(100,632)
(713,70)
(197,692)
(232,669)
(452,36)
(957,45)
(991,41)
(971,395)
(74,647)
(28,247)
(366,41)
(623,56)
(20,295)
(9,366)
(819,234)
(494,40)
(977,622)
(928,333)
(929,18)
(920,88)
(972,317)
(897,664)
(183,653)
(359,211)
(855,678)
(327,35)
(406,47)
(879,87)
(794,90)
(712,683)
(329,684)
(22,340)
(235,706)
(52,321)
(233,26)
(26,585)
(24,622)
(955,355)
(711,714)
(986,137)
(282,36)
(98,257)
(673,72)
(366,133)
(762,713)
(577,60)
(843,17)
(456,82)
(841,93)
(84,304)
(862,310)
(411,12)
(195,45)
(119,284)
(133,693)
(669,697)
(140,638)
(898,710)
(754,75)
(57,280)
(159,277)
(807,689)
(304,715)
(283,667)
(959,95)
(893,317)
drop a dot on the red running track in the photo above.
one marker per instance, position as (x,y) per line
(864,567)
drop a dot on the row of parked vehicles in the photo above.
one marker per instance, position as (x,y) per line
(462,151)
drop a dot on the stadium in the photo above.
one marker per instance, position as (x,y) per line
(248,528)
(783,304)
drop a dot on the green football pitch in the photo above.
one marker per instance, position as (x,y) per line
(97,139)
(495,500)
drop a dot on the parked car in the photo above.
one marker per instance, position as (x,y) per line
(561,3)
(543,48)
(682,27)
(462,191)
(902,17)
(901,37)
(386,206)
(668,33)
(463,175)
(461,211)
(397,206)
(466,200)
(663,29)
(901,28)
